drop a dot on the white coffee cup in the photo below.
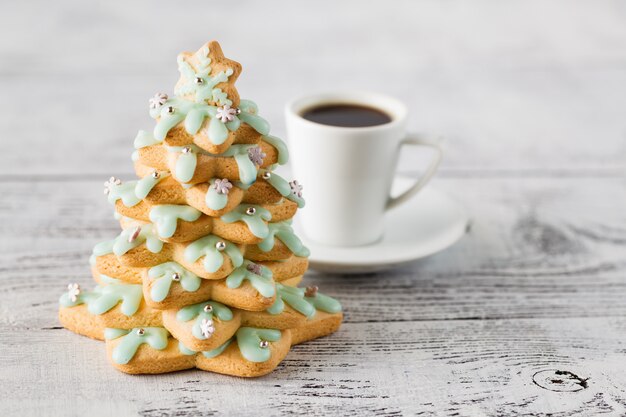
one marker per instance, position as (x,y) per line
(347,172)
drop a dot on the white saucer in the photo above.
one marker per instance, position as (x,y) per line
(427,224)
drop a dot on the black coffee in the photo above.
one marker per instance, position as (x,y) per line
(346,115)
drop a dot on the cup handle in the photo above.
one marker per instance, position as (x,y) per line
(413,139)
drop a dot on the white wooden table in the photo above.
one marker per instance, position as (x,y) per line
(525,316)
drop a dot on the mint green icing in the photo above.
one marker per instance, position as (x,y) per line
(124,191)
(132,192)
(162,276)
(263,283)
(284,232)
(296,298)
(281,147)
(208,353)
(217,131)
(256,222)
(134,156)
(110,333)
(292,296)
(147,183)
(247,169)
(144,139)
(109,280)
(282,186)
(167,121)
(185,350)
(202,85)
(213,258)
(205,90)
(217,351)
(213,199)
(243,186)
(324,303)
(193,113)
(249,340)
(147,235)
(197,311)
(165,217)
(104,298)
(186,166)
(155,337)
(249,115)
(249,106)
(103,248)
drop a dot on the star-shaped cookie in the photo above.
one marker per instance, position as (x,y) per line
(207,75)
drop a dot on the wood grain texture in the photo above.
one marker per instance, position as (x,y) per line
(536,285)
(526,315)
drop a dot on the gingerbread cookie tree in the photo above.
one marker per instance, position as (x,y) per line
(205,271)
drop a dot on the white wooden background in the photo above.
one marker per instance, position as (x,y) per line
(531,96)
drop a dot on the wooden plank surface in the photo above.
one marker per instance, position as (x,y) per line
(524,316)
(536,285)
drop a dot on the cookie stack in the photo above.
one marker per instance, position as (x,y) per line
(205,271)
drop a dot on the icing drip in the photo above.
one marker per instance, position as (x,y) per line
(292,296)
(255,217)
(155,337)
(217,351)
(147,183)
(217,131)
(162,276)
(282,186)
(262,282)
(281,147)
(296,298)
(110,333)
(165,217)
(284,232)
(208,353)
(213,257)
(109,280)
(147,235)
(215,200)
(249,115)
(247,169)
(124,191)
(249,340)
(193,115)
(324,303)
(132,192)
(199,312)
(103,299)
(185,350)
(144,139)
(186,162)
(103,248)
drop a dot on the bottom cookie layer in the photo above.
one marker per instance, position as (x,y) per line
(152,350)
